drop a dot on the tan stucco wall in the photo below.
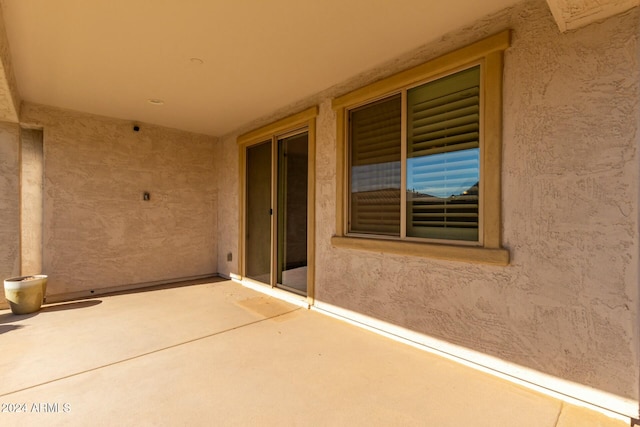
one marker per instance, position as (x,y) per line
(9,97)
(567,305)
(9,201)
(228,192)
(31,165)
(98,232)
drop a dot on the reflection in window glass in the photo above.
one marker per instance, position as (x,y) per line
(375,168)
(443,157)
(442,149)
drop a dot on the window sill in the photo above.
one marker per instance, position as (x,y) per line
(497,256)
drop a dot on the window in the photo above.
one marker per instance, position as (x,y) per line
(441,161)
(419,158)
(375,168)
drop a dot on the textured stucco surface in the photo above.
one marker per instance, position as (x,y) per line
(571,200)
(228,208)
(567,303)
(98,232)
(32,168)
(9,98)
(573,14)
(9,201)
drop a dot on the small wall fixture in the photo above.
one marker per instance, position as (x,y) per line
(146,196)
(154,101)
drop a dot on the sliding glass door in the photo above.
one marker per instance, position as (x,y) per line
(276,217)
(292,213)
(258,215)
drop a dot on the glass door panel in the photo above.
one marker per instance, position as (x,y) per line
(292,213)
(258,214)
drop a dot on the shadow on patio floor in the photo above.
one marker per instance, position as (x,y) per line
(70,305)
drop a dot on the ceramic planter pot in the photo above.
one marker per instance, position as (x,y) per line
(25,294)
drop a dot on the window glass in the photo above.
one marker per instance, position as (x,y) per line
(375,168)
(443,158)
(442,161)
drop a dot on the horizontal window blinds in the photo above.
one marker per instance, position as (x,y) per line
(443,134)
(375,167)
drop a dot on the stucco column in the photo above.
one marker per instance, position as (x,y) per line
(9,200)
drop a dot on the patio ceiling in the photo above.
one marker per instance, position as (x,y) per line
(216,65)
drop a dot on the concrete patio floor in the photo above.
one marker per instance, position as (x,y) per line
(216,353)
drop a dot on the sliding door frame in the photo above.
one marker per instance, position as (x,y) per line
(303,121)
